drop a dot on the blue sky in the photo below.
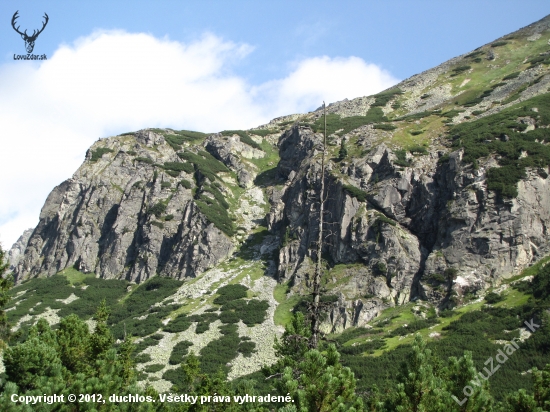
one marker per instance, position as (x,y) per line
(205,65)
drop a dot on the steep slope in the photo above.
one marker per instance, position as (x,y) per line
(443,190)
(436,188)
(153,202)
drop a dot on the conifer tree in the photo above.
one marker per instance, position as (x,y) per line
(521,401)
(343,153)
(5,285)
(459,374)
(102,338)
(420,387)
(315,379)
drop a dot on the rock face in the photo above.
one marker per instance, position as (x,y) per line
(407,214)
(18,248)
(122,216)
(428,219)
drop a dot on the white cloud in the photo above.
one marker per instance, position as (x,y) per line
(111,82)
(324,78)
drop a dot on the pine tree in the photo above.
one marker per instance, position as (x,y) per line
(73,341)
(102,338)
(343,153)
(65,362)
(315,379)
(459,374)
(420,387)
(521,401)
(5,285)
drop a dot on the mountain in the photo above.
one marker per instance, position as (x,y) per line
(436,190)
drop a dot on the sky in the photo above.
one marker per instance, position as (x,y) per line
(206,65)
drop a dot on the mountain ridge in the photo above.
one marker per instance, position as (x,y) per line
(417,208)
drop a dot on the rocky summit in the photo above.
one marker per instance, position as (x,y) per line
(435,189)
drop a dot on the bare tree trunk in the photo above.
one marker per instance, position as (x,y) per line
(316,315)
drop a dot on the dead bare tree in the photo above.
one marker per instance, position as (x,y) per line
(315,308)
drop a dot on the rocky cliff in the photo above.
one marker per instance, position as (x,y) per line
(435,189)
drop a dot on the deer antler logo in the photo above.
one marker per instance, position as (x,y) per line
(29,40)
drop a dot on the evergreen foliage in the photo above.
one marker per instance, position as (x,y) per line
(144,160)
(460,69)
(180,324)
(218,353)
(179,352)
(99,152)
(346,124)
(263,132)
(401,158)
(94,290)
(244,137)
(343,152)
(385,126)
(501,135)
(355,192)
(179,167)
(381,99)
(5,285)
(229,293)
(67,361)
(315,379)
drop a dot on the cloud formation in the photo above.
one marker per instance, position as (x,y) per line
(112,81)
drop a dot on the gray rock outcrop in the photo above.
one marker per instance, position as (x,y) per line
(123,216)
(18,248)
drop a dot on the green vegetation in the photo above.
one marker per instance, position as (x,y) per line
(401,158)
(380,218)
(210,201)
(381,99)
(186,183)
(418,150)
(155,367)
(355,192)
(217,353)
(251,313)
(460,69)
(346,124)
(511,76)
(217,215)
(179,324)
(66,360)
(144,160)
(283,312)
(243,136)
(501,135)
(141,303)
(157,209)
(263,132)
(416,116)
(176,138)
(385,126)
(343,152)
(246,348)
(160,225)
(451,113)
(5,284)
(229,293)
(314,378)
(499,43)
(472,328)
(179,167)
(475,54)
(99,152)
(179,352)
(205,163)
